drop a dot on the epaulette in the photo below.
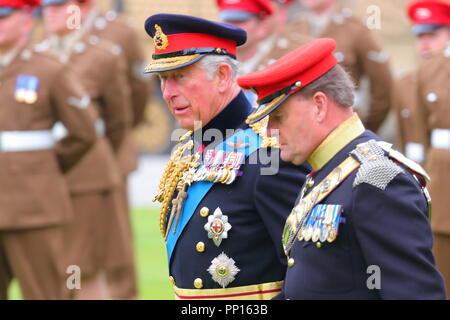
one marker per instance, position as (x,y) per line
(376,168)
(412,166)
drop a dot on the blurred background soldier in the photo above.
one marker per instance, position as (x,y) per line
(96,182)
(431,21)
(356,51)
(120,31)
(254,17)
(36,91)
(432,37)
(265,24)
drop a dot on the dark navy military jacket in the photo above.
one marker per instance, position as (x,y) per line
(385,232)
(256,205)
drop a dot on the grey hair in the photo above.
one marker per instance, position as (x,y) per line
(336,84)
(211,62)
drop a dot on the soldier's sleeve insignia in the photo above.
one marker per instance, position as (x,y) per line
(376,169)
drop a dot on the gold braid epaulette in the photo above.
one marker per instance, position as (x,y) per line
(176,176)
(260,128)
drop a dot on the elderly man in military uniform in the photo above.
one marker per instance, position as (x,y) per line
(36,91)
(356,50)
(222,212)
(95,183)
(360,227)
(431,20)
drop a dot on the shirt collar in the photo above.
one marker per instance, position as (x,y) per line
(336,141)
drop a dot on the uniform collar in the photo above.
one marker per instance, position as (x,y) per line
(336,141)
(231,117)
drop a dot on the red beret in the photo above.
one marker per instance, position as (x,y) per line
(19,3)
(289,74)
(237,10)
(426,14)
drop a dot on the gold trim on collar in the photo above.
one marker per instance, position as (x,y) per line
(335,141)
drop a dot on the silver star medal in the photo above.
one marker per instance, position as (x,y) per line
(217,227)
(223,270)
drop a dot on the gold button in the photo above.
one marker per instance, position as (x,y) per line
(198,283)
(291,262)
(172,280)
(204,212)
(200,247)
(319,245)
(310,183)
(298,84)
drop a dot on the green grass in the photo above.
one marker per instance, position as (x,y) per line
(151,258)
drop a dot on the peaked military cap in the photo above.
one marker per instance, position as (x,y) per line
(428,15)
(289,74)
(181,40)
(8,6)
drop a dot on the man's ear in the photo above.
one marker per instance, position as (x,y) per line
(224,76)
(320,101)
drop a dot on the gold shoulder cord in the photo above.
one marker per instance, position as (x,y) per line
(260,128)
(177,175)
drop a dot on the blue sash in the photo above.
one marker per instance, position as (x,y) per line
(199,189)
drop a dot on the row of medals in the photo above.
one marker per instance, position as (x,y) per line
(25,96)
(296,224)
(223,175)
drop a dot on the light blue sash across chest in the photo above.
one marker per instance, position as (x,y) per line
(197,191)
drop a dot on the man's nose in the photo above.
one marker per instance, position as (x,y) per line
(168,89)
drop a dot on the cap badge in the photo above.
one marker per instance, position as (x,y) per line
(423,13)
(160,39)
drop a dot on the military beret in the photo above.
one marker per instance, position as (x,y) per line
(241,10)
(8,6)
(181,40)
(428,15)
(289,74)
